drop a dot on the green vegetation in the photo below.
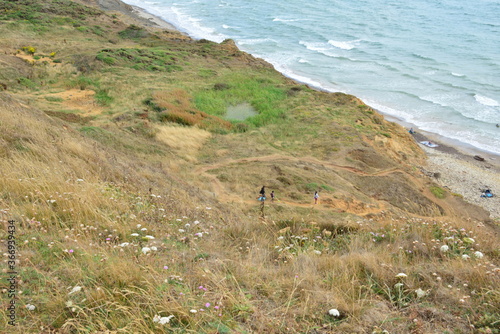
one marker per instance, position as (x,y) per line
(438,192)
(135,204)
(265,95)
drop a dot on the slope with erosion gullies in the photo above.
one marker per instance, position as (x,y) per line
(135,199)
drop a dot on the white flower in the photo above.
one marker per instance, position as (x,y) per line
(69,303)
(444,248)
(193,311)
(150,237)
(199,234)
(478,254)
(135,234)
(144,229)
(75,289)
(334,312)
(465,257)
(420,293)
(196,222)
(139,225)
(401,275)
(181,230)
(317,252)
(124,244)
(398,285)
(79,180)
(30,307)
(162,320)
(154,249)
(145,250)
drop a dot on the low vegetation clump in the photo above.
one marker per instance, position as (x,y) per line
(134,199)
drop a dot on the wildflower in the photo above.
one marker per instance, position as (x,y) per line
(401,275)
(334,312)
(75,289)
(465,257)
(139,225)
(165,267)
(154,249)
(478,254)
(70,251)
(317,252)
(79,180)
(420,293)
(162,320)
(193,311)
(145,250)
(30,307)
(125,244)
(207,305)
(196,222)
(181,230)
(150,237)
(144,229)
(135,234)
(398,285)
(444,248)
(199,234)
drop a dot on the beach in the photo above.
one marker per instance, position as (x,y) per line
(453,163)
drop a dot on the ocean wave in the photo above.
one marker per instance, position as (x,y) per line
(486,101)
(277,19)
(253,41)
(457,74)
(344,45)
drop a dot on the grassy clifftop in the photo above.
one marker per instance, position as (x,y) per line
(133,194)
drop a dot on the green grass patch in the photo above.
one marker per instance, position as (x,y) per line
(438,192)
(143,59)
(263,94)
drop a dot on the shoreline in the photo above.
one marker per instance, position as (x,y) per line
(452,160)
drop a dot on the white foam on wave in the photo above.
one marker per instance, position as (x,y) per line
(486,101)
(457,74)
(277,19)
(314,46)
(344,45)
(253,41)
(303,61)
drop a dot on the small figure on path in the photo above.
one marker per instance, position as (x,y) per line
(411,131)
(272,196)
(262,193)
(316,196)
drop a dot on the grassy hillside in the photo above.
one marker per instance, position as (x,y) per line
(133,195)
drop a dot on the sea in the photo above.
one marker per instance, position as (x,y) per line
(432,64)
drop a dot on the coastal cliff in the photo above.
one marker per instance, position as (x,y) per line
(133,193)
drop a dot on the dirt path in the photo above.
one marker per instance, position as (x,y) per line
(325,203)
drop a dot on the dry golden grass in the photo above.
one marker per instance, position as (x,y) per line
(186,141)
(115,231)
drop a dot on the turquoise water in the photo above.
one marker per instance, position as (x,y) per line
(434,64)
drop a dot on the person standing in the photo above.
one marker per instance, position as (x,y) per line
(272,196)
(262,193)
(316,196)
